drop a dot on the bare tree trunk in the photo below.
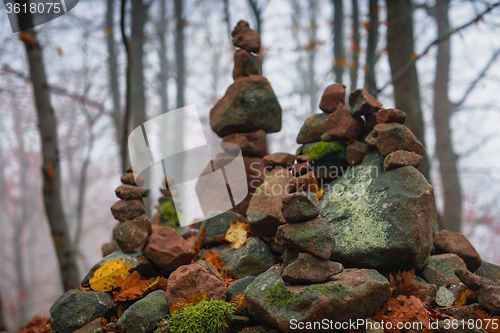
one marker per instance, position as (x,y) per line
(128,106)
(181,74)
(257,13)
(113,70)
(311,55)
(452,216)
(338,40)
(400,51)
(161,32)
(3,327)
(50,157)
(371,49)
(227,17)
(353,68)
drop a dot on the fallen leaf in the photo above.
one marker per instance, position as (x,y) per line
(489,323)
(105,277)
(444,297)
(191,300)
(237,234)
(36,325)
(404,283)
(464,297)
(132,287)
(197,245)
(239,302)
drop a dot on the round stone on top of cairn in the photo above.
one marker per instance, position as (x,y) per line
(246,38)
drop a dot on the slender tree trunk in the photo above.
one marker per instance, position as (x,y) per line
(311,55)
(128,106)
(227,18)
(353,68)
(50,159)
(452,217)
(338,40)
(161,32)
(371,49)
(3,327)
(181,73)
(113,70)
(400,51)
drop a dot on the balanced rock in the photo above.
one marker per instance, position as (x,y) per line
(253,144)
(124,210)
(128,179)
(127,192)
(362,103)
(303,183)
(248,105)
(356,151)
(343,126)
(216,225)
(392,137)
(194,279)
(326,158)
(454,242)
(132,234)
(299,206)
(246,64)
(309,269)
(312,129)
(314,237)
(382,220)
(401,158)
(332,97)
(264,211)
(279,160)
(352,294)
(168,250)
(390,116)
(246,38)
(145,314)
(75,309)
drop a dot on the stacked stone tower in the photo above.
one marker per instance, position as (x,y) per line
(245,114)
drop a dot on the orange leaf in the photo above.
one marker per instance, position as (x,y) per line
(132,288)
(191,300)
(239,302)
(36,325)
(489,321)
(404,283)
(199,242)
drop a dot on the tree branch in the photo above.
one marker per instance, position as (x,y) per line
(437,41)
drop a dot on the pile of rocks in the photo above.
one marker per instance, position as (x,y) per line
(248,110)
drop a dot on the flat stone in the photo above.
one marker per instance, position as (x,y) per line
(489,271)
(312,129)
(248,105)
(132,234)
(145,314)
(352,294)
(401,158)
(328,159)
(264,211)
(299,206)
(246,64)
(356,151)
(392,137)
(332,97)
(128,179)
(168,250)
(381,220)
(314,237)
(252,144)
(302,183)
(238,287)
(362,103)
(127,192)
(453,242)
(124,210)
(390,116)
(279,160)
(309,269)
(343,126)
(447,264)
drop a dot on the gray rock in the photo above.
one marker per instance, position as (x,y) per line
(248,105)
(446,264)
(75,309)
(145,314)
(489,271)
(238,287)
(309,269)
(299,206)
(312,129)
(132,235)
(328,159)
(352,294)
(217,226)
(381,220)
(314,237)
(130,258)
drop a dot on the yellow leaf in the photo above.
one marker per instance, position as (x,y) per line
(105,277)
(237,234)
(464,296)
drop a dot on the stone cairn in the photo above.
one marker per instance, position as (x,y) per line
(248,110)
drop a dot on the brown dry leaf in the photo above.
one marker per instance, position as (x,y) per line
(213,258)
(464,296)
(133,287)
(239,302)
(36,325)
(197,245)
(490,323)
(191,300)
(403,309)
(237,234)
(404,283)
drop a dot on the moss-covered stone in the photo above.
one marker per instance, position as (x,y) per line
(328,159)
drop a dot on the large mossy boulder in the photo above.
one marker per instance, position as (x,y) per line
(382,220)
(350,295)
(328,159)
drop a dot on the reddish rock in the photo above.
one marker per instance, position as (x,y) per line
(453,242)
(466,313)
(124,210)
(489,298)
(471,280)
(194,279)
(132,234)
(302,183)
(362,103)
(300,169)
(392,137)
(327,137)
(129,179)
(302,159)
(127,192)
(401,158)
(278,160)
(356,151)
(343,126)
(309,269)
(246,64)
(312,129)
(390,116)
(168,250)
(299,206)
(333,95)
(246,38)
(252,144)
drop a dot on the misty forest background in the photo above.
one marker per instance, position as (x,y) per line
(436,60)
